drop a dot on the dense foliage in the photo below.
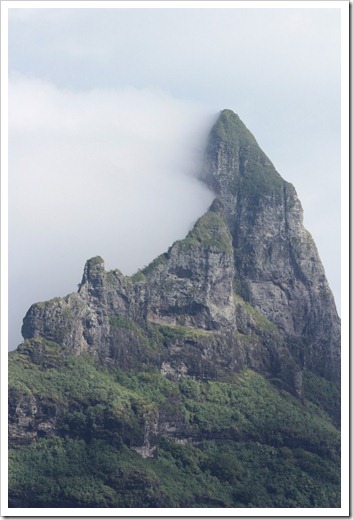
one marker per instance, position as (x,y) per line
(246,443)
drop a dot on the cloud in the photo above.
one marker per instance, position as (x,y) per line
(108,171)
(211,53)
(279,69)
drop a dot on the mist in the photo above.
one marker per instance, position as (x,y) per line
(109,113)
(109,172)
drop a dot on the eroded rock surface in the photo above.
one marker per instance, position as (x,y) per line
(245,288)
(251,243)
(276,260)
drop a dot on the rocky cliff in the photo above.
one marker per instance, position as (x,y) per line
(245,290)
(248,254)
(276,260)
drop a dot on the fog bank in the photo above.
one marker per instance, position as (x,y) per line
(110,172)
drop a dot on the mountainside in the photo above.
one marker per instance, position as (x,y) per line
(210,378)
(275,257)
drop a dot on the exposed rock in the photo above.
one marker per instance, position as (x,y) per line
(245,288)
(31,417)
(149,446)
(275,257)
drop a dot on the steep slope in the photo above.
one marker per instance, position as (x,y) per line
(187,293)
(135,438)
(227,343)
(276,260)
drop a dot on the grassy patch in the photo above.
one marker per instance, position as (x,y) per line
(258,177)
(137,277)
(261,321)
(123,323)
(209,232)
(150,268)
(96,260)
(170,332)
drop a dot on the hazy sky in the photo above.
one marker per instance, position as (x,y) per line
(109,110)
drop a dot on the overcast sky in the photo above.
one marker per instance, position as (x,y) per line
(109,110)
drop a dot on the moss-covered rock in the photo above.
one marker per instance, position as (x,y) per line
(210,378)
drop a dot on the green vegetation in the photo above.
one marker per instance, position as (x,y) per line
(96,260)
(261,321)
(214,436)
(260,180)
(209,232)
(258,176)
(158,337)
(170,332)
(150,268)
(124,323)
(325,394)
(49,303)
(137,277)
(231,131)
(250,444)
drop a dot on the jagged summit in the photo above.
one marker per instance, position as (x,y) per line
(251,244)
(235,163)
(276,260)
(219,362)
(230,130)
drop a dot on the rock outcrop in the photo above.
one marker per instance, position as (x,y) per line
(218,363)
(245,288)
(276,260)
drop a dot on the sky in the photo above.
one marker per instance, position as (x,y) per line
(109,112)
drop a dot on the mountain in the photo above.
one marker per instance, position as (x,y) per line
(210,378)
(276,259)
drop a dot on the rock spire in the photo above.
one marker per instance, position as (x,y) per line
(246,287)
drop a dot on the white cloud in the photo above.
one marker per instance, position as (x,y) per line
(108,172)
(279,69)
(205,52)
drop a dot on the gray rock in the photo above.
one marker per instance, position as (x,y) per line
(275,257)
(246,287)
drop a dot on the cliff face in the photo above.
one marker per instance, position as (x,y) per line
(244,291)
(275,257)
(181,312)
(248,253)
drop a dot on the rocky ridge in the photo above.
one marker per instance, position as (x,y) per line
(245,290)
(249,254)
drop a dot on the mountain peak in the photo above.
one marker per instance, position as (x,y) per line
(230,130)
(235,164)
(185,363)
(251,242)
(275,257)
